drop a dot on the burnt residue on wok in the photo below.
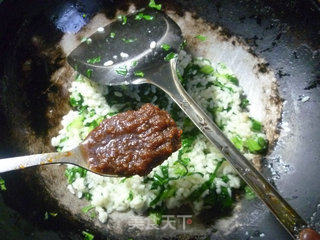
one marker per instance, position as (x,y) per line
(33,75)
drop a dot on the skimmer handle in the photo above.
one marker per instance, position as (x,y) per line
(166,78)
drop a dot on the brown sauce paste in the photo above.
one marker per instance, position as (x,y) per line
(132,142)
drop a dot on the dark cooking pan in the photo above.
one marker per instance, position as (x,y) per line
(275,46)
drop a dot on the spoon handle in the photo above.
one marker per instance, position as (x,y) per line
(286,215)
(15,163)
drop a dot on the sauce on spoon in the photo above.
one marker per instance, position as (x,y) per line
(133,142)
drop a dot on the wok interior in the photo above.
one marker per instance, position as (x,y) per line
(36,97)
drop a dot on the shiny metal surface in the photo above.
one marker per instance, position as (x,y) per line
(74,157)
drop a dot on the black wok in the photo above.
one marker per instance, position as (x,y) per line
(283,37)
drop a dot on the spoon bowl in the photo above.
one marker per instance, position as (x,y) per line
(124,51)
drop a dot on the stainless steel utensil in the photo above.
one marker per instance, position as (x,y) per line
(74,157)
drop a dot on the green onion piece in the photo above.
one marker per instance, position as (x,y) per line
(170,56)
(156,216)
(147,17)
(259,145)
(47,214)
(252,145)
(206,69)
(256,126)
(238,143)
(112,34)
(232,79)
(139,74)
(122,71)
(130,197)
(153,4)
(249,193)
(87,196)
(70,173)
(165,47)
(89,73)
(183,44)
(87,208)
(129,40)
(110,114)
(2,184)
(134,63)
(140,16)
(94,60)
(123,19)
(201,37)
(87,40)
(87,236)
(244,103)
(53,214)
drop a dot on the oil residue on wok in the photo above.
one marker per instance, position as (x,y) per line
(132,142)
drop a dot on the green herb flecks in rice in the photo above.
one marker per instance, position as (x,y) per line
(196,174)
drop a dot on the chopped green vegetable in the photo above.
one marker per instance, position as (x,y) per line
(196,194)
(238,143)
(170,56)
(141,15)
(47,214)
(129,40)
(153,4)
(258,145)
(165,47)
(87,196)
(232,79)
(134,63)
(95,123)
(206,69)
(156,215)
(70,173)
(2,184)
(130,197)
(87,40)
(89,73)
(110,114)
(122,18)
(94,60)
(256,126)
(139,74)
(87,208)
(244,103)
(249,193)
(112,34)
(76,101)
(76,123)
(87,236)
(93,215)
(122,71)
(183,44)
(201,37)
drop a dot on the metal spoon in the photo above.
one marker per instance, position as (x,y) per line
(130,52)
